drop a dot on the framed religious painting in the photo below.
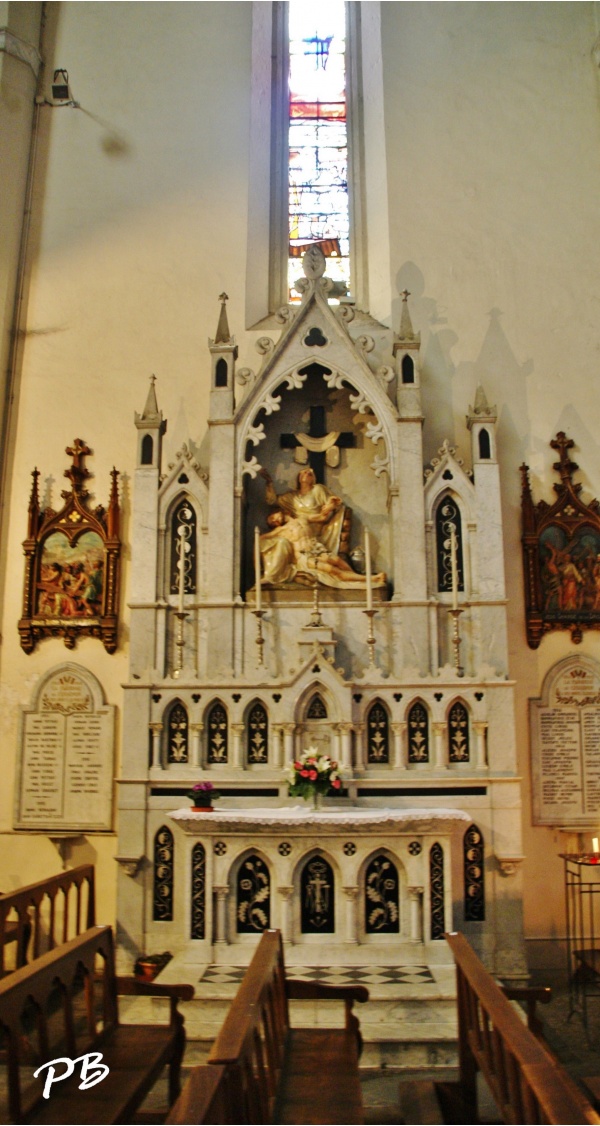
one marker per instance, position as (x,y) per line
(561,554)
(72,563)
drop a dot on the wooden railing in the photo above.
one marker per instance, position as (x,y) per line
(526,1081)
(36,918)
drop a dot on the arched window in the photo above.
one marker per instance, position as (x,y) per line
(317,888)
(447,518)
(382,905)
(485,449)
(257,733)
(183,533)
(408,369)
(253,904)
(378,743)
(198,921)
(436,890)
(147,449)
(177,733)
(316,708)
(217,733)
(221,373)
(418,733)
(458,733)
(474,875)
(163,876)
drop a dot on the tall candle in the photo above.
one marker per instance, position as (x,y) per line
(181,531)
(454,569)
(368,571)
(595,845)
(257,569)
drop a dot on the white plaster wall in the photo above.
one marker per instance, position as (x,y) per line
(492,129)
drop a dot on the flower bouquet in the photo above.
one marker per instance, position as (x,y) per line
(312,776)
(202,795)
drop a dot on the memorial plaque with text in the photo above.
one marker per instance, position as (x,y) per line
(66,755)
(565,745)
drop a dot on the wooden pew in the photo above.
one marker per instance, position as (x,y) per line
(528,1084)
(41,915)
(275,1073)
(64,1005)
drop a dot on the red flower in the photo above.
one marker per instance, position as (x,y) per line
(336,784)
(305,774)
(312,774)
(297,766)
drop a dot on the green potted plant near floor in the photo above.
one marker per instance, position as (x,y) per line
(312,776)
(202,796)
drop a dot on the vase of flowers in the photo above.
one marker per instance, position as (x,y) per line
(202,796)
(312,776)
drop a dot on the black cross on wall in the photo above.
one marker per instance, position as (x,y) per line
(318,429)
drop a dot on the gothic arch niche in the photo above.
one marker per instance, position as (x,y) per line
(217,733)
(316,714)
(182,547)
(198,892)
(448,517)
(257,734)
(250,884)
(315,883)
(418,720)
(381,885)
(459,733)
(176,733)
(378,734)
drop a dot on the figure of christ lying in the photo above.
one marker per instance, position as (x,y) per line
(291,552)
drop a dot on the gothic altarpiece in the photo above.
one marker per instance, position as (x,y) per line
(395,664)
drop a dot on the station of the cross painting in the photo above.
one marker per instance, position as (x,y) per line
(302,579)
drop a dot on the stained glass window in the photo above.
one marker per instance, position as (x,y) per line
(318,142)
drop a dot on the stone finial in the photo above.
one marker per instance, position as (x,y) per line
(482,407)
(150,411)
(406,328)
(223,335)
(313,263)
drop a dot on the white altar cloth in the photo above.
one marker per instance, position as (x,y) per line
(301,816)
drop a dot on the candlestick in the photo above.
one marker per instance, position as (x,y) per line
(454,567)
(455,613)
(368,571)
(257,584)
(370,636)
(181,534)
(260,641)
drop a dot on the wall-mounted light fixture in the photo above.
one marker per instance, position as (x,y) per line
(60,86)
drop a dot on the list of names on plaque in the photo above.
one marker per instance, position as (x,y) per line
(565,745)
(67,756)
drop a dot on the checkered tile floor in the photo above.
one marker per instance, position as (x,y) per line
(335,975)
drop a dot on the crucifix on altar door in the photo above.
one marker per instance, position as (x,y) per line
(318,448)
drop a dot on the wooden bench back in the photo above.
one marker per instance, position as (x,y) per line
(56,1007)
(55,910)
(527,1083)
(252,1040)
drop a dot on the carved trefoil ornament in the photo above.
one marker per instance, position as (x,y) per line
(561,554)
(72,562)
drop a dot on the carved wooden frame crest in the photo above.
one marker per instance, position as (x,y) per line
(561,554)
(72,563)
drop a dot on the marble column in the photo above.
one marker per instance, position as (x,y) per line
(156,729)
(288,742)
(415,896)
(345,730)
(439,745)
(221,891)
(286,892)
(359,752)
(276,745)
(480,730)
(237,730)
(398,730)
(351,894)
(196,729)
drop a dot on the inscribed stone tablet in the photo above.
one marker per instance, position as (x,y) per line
(565,745)
(66,755)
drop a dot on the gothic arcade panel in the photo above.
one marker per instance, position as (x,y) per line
(382,912)
(447,519)
(317,888)
(378,739)
(253,900)
(436,885)
(198,921)
(458,733)
(163,876)
(257,733)
(183,548)
(418,733)
(177,733)
(473,875)
(217,733)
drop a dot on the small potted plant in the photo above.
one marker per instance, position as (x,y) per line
(202,796)
(312,776)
